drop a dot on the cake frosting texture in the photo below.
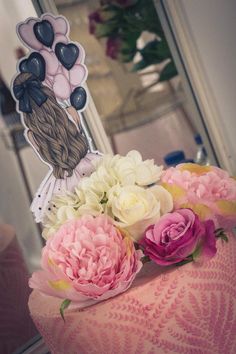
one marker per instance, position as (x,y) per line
(189,309)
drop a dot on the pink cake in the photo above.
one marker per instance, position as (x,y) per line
(189,309)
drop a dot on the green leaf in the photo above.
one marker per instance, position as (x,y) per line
(145,259)
(156,51)
(168,72)
(64,305)
(220,233)
(140,65)
(144,14)
(106,29)
(197,252)
(185,261)
(224,237)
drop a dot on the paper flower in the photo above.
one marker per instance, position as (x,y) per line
(134,208)
(177,235)
(87,260)
(208,190)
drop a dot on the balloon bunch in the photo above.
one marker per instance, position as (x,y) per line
(55,61)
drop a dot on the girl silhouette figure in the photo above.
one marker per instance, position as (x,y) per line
(57,140)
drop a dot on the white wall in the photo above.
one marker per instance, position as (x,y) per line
(14,202)
(213,24)
(11,12)
(205,31)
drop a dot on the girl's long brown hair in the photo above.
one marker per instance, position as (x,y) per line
(57,138)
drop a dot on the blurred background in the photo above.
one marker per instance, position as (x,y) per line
(144,86)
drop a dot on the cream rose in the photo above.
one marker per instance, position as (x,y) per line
(134,208)
(56,218)
(131,170)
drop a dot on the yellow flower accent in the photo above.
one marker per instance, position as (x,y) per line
(227,207)
(194,168)
(127,239)
(59,284)
(201,210)
(51,262)
(175,191)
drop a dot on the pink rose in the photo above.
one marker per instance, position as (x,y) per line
(178,235)
(87,259)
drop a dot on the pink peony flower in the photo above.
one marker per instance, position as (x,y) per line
(87,259)
(208,190)
(178,235)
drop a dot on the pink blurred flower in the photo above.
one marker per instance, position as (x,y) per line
(94,18)
(178,235)
(87,259)
(208,190)
(98,21)
(113,47)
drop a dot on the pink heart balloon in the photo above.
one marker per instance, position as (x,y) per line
(26,34)
(49,81)
(51,61)
(58,23)
(78,75)
(61,87)
(65,72)
(59,38)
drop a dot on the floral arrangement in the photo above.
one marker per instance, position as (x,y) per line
(122,22)
(127,212)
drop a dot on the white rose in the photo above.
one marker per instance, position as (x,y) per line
(131,170)
(135,208)
(69,198)
(55,219)
(99,182)
(92,204)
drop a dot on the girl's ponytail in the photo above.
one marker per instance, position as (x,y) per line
(56,137)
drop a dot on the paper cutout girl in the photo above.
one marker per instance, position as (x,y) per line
(50,98)
(55,138)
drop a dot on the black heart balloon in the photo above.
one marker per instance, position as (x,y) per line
(34,64)
(78,98)
(67,54)
(44,33)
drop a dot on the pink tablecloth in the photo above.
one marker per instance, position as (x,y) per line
(16,326)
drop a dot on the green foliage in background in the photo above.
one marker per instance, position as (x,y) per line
(122,22)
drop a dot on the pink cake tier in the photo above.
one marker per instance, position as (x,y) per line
(188,309)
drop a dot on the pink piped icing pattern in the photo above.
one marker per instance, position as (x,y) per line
(189,309)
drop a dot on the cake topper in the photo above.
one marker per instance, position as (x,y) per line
(50,96)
